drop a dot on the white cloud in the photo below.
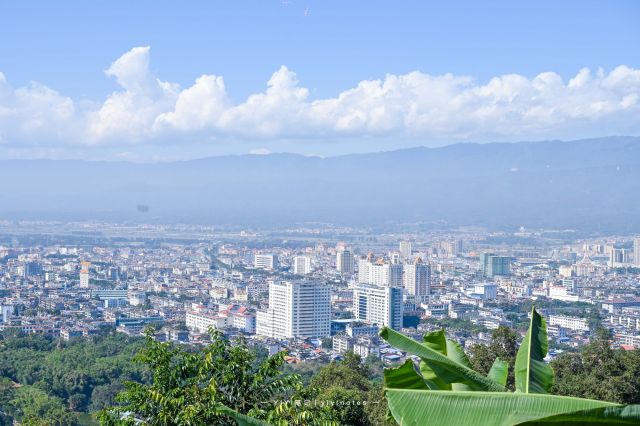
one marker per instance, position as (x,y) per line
(278,112)
(415,106)
(34,112)
(128,115)
(197,107)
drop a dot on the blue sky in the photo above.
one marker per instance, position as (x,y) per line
(328,49)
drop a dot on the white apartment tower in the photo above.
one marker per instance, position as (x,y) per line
(345,261)
(379,273)
(378,305)
(301,265)
(406,249)
(84,274)
(636,252)
(265,261)
(417,280)
(618,257)
(296,309)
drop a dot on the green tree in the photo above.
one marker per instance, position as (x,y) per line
(503,345)
(70,369)
(7,392)
(327,342)
(104,396)
(33,406)
(349,373)
(216,385)
(346,385)
(599,372)
(77,402)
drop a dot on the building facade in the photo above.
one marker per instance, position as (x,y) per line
(265,261)
(493,266)
(378,305)
(417,280)
(301,265)
(380,273)
(345,262)
(296,309)
(406,249)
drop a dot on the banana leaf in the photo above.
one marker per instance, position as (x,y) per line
(627,415)
(437,341)
(460,408)
(405,377)
(456,353)
(446,369)
(532,373)
(499,371)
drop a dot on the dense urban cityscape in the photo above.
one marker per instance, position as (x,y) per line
(319,290)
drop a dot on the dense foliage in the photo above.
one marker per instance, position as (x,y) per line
(599,372)
(46,382)
(220,384)
(504,346)
(347,381)
(61,377)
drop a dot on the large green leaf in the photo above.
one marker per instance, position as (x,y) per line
(446,369)
(499,371)
(456,353)
(404,377)
(437,341)
(532,374)
(627,415)
(419,407)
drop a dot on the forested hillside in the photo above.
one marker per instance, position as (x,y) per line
(49,382)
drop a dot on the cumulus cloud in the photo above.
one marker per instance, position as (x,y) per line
(34,112)
(197,107)
(416,106)
(128,115)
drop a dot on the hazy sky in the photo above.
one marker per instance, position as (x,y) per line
(149,80)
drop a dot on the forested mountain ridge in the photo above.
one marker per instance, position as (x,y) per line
(586,184)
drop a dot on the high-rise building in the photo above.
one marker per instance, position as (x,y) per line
(6,311)
(618,257)
(345,263)
(636,252)
(296,309)
(379,273)
(32,269)
(301,265)
(492,265)
(84,274)
(488,291)
(406,249)
(417,280)
(446,249)
(378,305)
(265,261)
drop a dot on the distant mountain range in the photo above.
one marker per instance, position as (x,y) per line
(589,184)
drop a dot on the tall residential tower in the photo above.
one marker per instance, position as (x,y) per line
(417,280)
(296,309)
